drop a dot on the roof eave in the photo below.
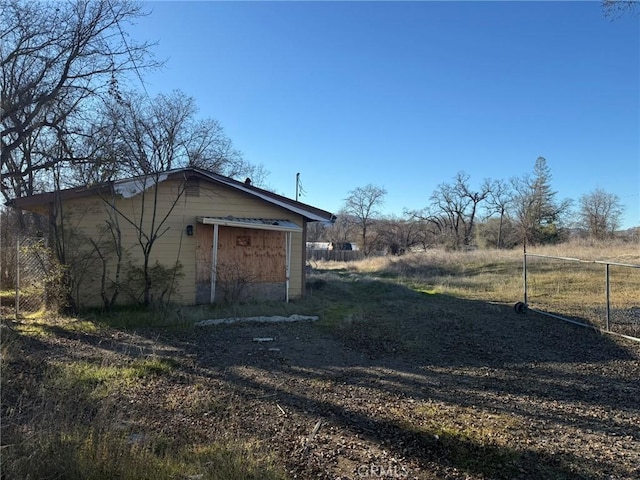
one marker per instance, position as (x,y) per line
(309,212)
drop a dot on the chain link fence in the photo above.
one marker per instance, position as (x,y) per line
(599,294)
(24,271)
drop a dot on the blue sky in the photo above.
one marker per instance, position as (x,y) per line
(404,95)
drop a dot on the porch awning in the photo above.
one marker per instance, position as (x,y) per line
(255,223)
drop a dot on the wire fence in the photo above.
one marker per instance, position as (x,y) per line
(24,268)
(599,294)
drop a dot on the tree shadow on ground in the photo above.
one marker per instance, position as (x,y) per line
(433,348)
(448,385)
(542,388)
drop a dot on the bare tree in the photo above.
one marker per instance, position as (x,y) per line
(57,61)
(433,226)
(398,235)
(599,213)
(141,136)
(500,197)
(110,249)
(317,231)
(497,233)
(149,223)
(342,229)
(616,8)
(454,208)
(363,204)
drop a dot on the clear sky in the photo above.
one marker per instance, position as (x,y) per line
(404,95)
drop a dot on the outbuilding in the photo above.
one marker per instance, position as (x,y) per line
(196,236)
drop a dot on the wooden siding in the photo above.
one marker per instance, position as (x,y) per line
(90,216)
(204,246)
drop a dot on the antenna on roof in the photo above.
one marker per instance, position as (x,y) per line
(299,190)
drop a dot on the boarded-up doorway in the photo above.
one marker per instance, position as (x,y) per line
(250,264)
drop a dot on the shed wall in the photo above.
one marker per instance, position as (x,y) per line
(89,218)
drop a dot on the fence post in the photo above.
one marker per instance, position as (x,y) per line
(608,290)
(524,275)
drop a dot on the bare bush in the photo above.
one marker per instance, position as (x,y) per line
(233,280)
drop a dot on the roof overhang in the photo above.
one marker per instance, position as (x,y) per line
(254,223)
(131,187)
(307,211)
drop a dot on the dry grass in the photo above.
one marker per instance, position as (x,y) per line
(574,289)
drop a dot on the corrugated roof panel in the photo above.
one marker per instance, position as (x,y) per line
(257,223)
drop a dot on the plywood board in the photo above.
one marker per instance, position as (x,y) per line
(255,255)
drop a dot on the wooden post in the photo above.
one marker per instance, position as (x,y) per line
(287,264)
(214,263)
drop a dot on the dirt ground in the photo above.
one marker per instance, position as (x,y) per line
(502,395)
